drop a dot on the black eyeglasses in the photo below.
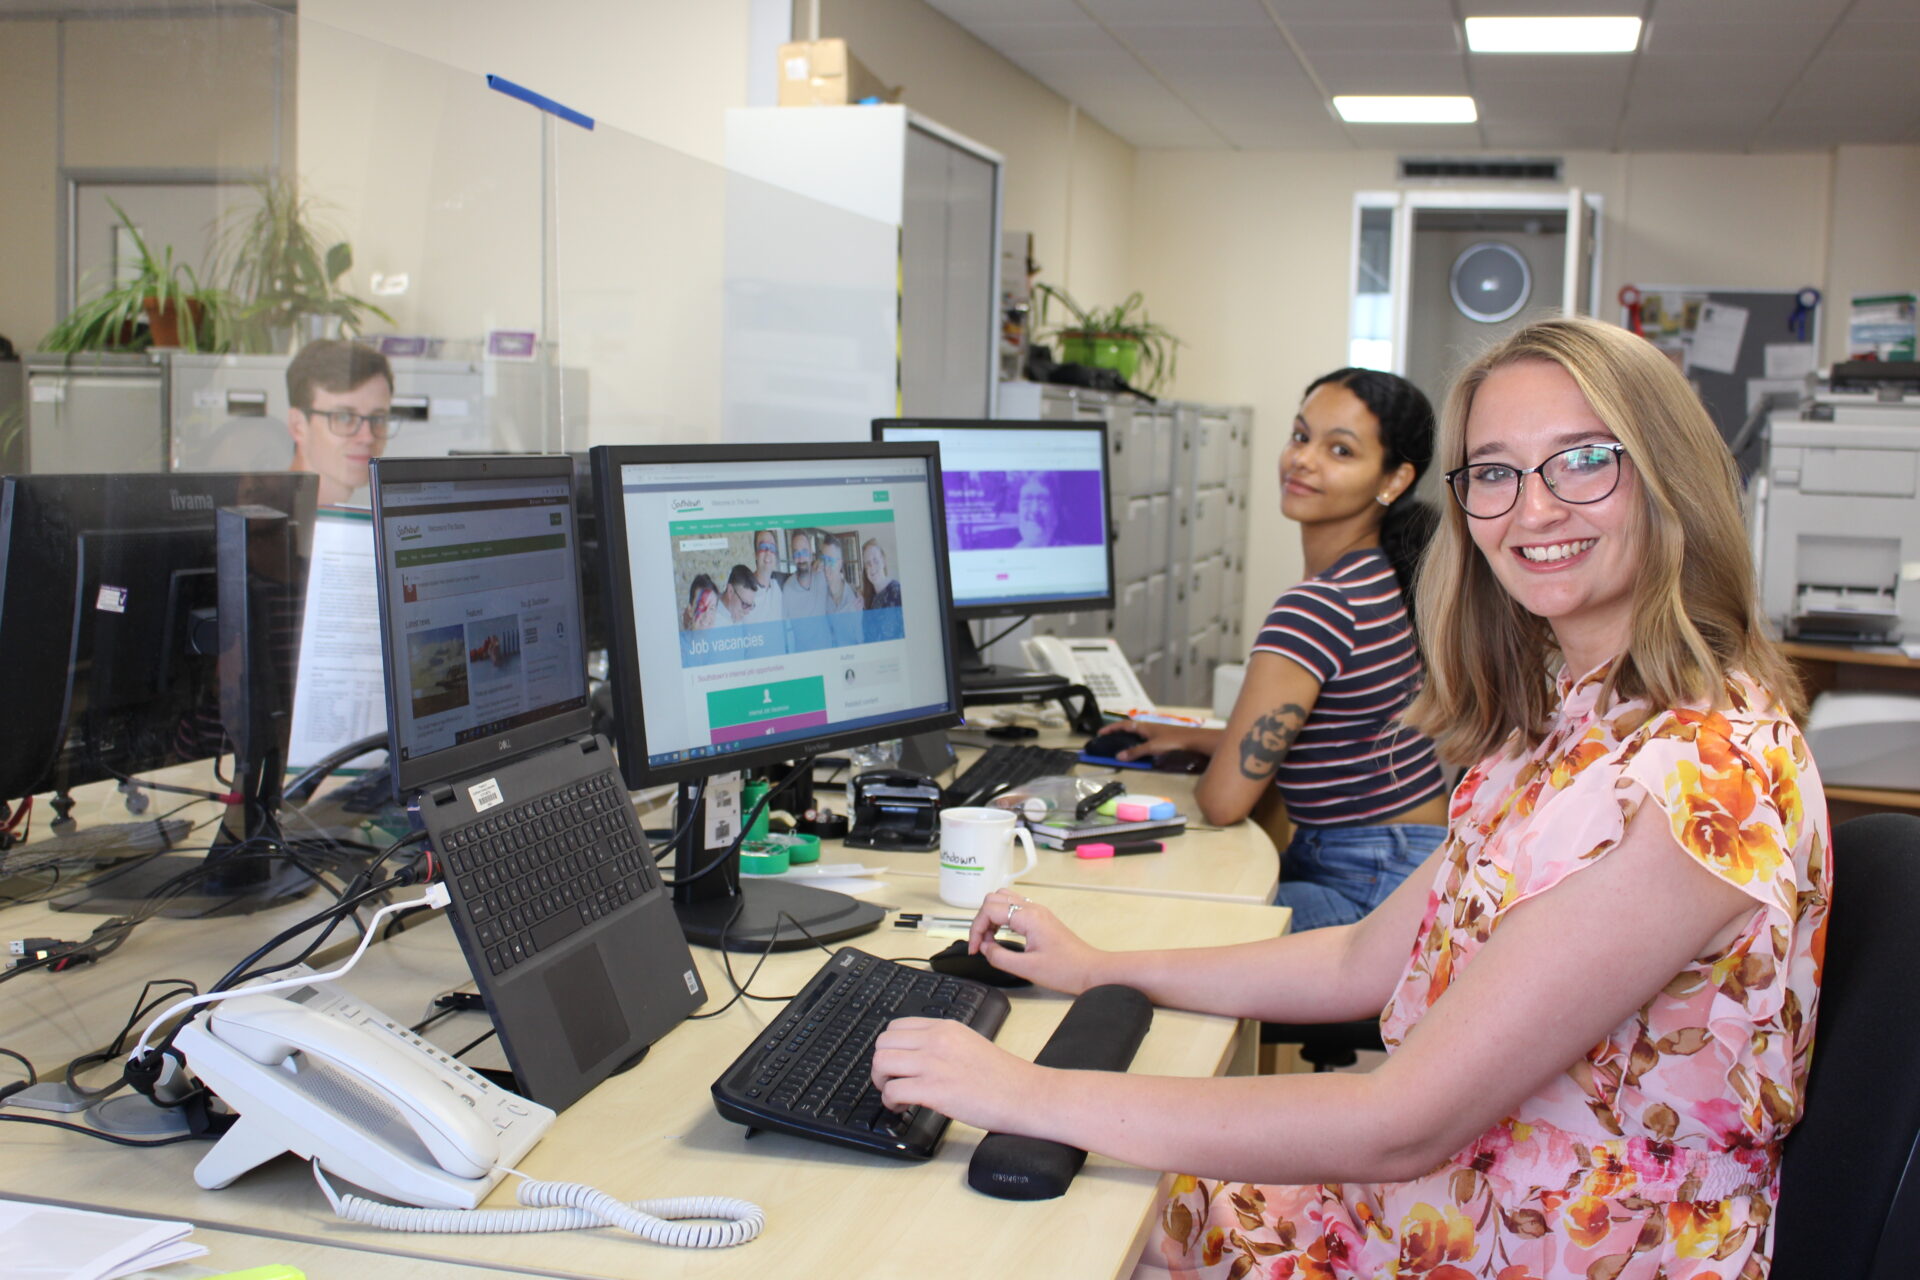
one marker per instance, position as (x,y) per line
(1585,473)
(345,422)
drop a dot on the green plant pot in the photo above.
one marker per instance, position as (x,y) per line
(1102,351)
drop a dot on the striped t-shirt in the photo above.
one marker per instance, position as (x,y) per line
(1349,627)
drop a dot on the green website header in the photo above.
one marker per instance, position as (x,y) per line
(753,524)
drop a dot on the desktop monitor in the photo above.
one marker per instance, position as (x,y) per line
(1028,524)
(148,620)
(766,602)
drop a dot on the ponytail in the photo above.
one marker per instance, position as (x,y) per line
(1405,531)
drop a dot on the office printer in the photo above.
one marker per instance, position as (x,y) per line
(1835,509)
(1866,739)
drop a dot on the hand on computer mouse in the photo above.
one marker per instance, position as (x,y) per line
(1158,739)
(1108,744)
(957,962)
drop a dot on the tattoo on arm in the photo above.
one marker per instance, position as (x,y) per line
(1267,741)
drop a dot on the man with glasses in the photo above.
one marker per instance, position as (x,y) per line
(803,597)
(339,413)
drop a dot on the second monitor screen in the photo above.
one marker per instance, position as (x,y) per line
(1026,511)
(781,601)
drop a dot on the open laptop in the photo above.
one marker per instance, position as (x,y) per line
(555,897)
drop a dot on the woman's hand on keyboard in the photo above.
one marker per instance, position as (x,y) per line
(946,1065)
(1055,955)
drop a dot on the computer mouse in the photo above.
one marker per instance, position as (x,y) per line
(1111,743)
(956,963)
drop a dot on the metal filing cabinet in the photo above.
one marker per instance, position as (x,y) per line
(1179,481)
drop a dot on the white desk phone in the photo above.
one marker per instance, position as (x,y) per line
(330,1078)
(1097,663)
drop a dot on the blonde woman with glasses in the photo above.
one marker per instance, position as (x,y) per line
(1598,994)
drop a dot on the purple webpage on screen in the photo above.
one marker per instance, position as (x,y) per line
(991,510)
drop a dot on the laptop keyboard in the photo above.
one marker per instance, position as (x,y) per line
(532,875)
(811,1072)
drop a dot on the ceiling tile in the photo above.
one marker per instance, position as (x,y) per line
(1531,8)
(969,12)
(1426,138)
(1242,12)
(1738,11)
(1416,35)
(1175,37)
(1291,11)
(1015,40)
(1390,73)
(1669,38)
(1860,35)
(1743,75)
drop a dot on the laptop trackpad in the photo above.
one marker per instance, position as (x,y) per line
(588,1008)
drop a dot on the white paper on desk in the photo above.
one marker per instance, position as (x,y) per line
(337,693)
(44,1242)
(1789,359)
(842,884)
(1717,339)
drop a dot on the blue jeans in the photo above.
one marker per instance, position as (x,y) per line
(1335,875)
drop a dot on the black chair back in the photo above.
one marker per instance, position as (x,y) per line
(1850,1174)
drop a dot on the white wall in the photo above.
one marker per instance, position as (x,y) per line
(662,69)
(1068,179)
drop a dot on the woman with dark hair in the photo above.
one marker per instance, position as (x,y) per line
(1314,728)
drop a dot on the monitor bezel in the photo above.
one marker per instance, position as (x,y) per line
(1021,609)
(617,590)
(456,761)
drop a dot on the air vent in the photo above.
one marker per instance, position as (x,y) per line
(1481,168)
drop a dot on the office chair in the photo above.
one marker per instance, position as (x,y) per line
(1326,1046)
(1850,1173)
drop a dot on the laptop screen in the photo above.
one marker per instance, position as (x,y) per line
(480,601)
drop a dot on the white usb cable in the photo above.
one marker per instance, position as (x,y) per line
(435,897)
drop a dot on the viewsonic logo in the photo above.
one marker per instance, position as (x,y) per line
(190,501)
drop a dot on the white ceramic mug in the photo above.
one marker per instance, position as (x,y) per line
(976,854)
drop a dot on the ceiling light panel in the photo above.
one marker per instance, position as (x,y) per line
(1405,109)
(1553,35)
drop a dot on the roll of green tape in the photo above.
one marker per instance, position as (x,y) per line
(800,846)
(750,796)
(762,858)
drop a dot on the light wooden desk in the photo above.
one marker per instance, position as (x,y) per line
(653,1132)
(239,1250)
(1228,864)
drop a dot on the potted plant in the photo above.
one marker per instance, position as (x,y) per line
(285,267)
(179,310)
(1120,338)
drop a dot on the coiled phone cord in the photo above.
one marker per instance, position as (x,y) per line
(568,1206)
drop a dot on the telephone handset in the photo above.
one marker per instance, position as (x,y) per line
(330,1078)
(1096,663)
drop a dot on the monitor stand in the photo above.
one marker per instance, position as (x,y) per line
(980,680)
(723,909)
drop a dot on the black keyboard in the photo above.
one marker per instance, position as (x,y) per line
(532,875)
(811,1072)
(1001,767)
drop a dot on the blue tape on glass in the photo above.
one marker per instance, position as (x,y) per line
(526,95)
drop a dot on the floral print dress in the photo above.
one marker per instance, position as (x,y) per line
(1655,1155)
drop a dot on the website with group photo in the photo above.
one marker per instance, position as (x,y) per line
(774,600)
(483,609)
(1027,533)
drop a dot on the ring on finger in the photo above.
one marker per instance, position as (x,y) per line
(1010,910)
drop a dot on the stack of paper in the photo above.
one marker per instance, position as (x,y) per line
(42,1242)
